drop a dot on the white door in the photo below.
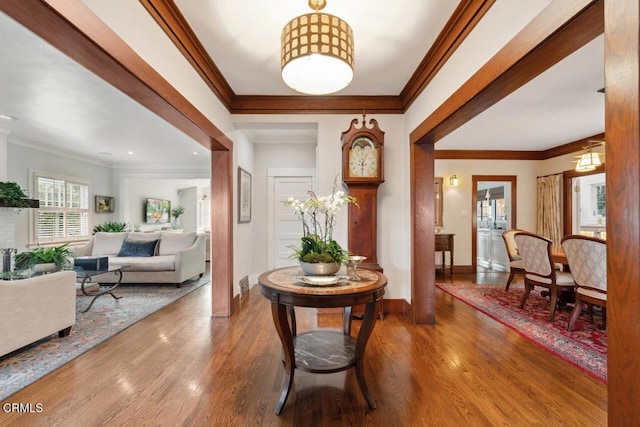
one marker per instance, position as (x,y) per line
(287,228)
(189,201)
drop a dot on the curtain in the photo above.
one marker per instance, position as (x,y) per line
(550,208)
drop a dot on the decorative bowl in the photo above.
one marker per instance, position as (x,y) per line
(320,268)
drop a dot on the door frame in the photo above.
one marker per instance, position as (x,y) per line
(513,179)
(272,174)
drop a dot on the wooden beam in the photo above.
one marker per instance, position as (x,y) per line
(423,274)
(77,32)
(222,233)
(559,30)
(560,150)
(622,127)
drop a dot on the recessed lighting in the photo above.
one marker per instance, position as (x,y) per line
(5,117)
(196,153)
(130,153)
(104,153)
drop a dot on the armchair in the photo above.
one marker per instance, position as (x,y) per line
(515,260)
(587,257)
(539,269)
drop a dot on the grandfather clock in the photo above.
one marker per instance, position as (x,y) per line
(362,173)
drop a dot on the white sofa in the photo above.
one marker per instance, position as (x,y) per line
(34,308)
(177,256)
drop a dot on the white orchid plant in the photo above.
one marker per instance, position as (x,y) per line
(318,215)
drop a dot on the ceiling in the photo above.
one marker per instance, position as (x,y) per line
(60,106)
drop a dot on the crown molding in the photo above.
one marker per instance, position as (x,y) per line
(569,148)
(559,30)
(462,21)
(168,16)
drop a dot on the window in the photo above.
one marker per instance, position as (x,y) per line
(600,199)
(64,209)
(585,204)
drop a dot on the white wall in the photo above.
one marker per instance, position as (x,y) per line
(393,201)
(458,201)
(243,234)
(135,191)
(267,156)
(23,160)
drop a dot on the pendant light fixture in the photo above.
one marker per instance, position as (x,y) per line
(317,52)
(589,160)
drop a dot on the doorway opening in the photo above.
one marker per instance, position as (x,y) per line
(493,207)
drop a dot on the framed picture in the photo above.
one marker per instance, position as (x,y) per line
(157,211)
(244,196)
(104,204)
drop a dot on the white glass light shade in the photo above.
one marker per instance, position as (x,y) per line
(317,54)
(453,181)
(588,161)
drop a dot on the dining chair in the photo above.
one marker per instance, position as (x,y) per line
(539,269)
(515,260)
(587,257)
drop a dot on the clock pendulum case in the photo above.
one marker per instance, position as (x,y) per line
(362,173)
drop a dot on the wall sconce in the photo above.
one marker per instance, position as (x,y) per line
(453,180)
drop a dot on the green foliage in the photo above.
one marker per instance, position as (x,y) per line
(313,250)
(177,211)
(11,194)
(111,227)
(58,255)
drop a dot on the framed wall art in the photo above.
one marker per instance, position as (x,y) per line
(104,204)
(244,196)
(157,211)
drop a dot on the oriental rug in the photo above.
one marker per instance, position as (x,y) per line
(585,347)
(106,318)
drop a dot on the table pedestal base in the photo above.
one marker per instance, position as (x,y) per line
(322,351)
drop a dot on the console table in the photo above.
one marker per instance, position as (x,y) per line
(444,243)
(322,351)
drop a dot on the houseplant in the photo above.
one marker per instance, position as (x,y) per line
(111,227)
(177,213)
(57,256)
(317,247)
(13,196)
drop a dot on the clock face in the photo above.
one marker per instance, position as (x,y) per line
(363,158)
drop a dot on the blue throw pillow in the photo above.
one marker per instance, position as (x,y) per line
(138,248)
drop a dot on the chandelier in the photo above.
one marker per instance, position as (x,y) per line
(589,160)
(317,52)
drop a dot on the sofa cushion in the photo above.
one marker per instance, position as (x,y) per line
(174,242)
(133,248)
(154,263)
(139,236)
(107,243)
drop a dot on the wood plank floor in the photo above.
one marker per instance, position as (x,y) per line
(182,367)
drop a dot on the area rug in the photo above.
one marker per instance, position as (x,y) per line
(106,318)
(585,347)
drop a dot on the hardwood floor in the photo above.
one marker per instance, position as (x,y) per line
(182,367)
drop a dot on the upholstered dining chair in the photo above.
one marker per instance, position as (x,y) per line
(539,269)
(587,257)
(515,260)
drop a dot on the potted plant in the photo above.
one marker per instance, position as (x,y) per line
(318,253)
(45,259)
(177,213)
(13,196)
(111,227)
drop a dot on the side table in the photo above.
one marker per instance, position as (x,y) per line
(315,351)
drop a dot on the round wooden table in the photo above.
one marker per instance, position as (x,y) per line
(322,351)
